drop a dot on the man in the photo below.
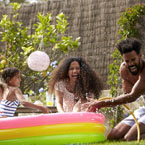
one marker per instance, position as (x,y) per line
(132,72)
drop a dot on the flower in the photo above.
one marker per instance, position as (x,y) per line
(46,93)
(40,74)
(41,90)
(54,64)
(48,73)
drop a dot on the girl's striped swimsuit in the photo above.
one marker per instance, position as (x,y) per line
(8,108)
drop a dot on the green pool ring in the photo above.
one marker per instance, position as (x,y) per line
(57,139)
(47,130)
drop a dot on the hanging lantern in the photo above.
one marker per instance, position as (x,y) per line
(38,61)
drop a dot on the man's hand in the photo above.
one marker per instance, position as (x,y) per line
(94,106)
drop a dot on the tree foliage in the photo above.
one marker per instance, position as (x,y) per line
(19,44)
(127,28)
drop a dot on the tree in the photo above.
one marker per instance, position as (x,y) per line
(20,44)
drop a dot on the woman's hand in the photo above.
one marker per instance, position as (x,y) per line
(77,106)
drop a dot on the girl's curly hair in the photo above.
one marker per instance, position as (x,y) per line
(89,81)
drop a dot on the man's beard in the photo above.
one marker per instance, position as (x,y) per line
(137,69)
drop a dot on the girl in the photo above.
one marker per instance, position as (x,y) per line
(73,81)
(11,94)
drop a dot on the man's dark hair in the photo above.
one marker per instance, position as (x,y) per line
(129,45)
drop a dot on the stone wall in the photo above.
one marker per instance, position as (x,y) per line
(95,21)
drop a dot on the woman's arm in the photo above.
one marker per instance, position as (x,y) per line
(22,100)
(59,101)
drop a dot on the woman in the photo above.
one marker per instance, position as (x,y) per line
(73,81)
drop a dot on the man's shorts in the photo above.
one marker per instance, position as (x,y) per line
(139,114)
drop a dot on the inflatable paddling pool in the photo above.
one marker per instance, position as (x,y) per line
(52,129)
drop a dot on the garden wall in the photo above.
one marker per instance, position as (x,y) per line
(95,21)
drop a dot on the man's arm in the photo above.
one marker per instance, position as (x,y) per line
(137,90)
(126,82)
(126,86)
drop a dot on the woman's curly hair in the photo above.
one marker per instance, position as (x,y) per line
(89,81)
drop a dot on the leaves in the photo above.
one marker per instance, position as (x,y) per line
(127,23)
(128,20)
(19,45)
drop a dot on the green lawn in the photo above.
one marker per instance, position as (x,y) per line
(142,142)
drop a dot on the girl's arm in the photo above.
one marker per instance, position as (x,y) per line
(1,94)
(3,87)
(59,101)
(25,103)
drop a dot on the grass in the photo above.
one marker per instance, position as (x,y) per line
(142,142)
(107,142)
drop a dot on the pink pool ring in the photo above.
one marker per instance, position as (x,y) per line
(57,128)
(51,119)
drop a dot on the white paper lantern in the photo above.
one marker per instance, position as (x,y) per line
(38,61)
